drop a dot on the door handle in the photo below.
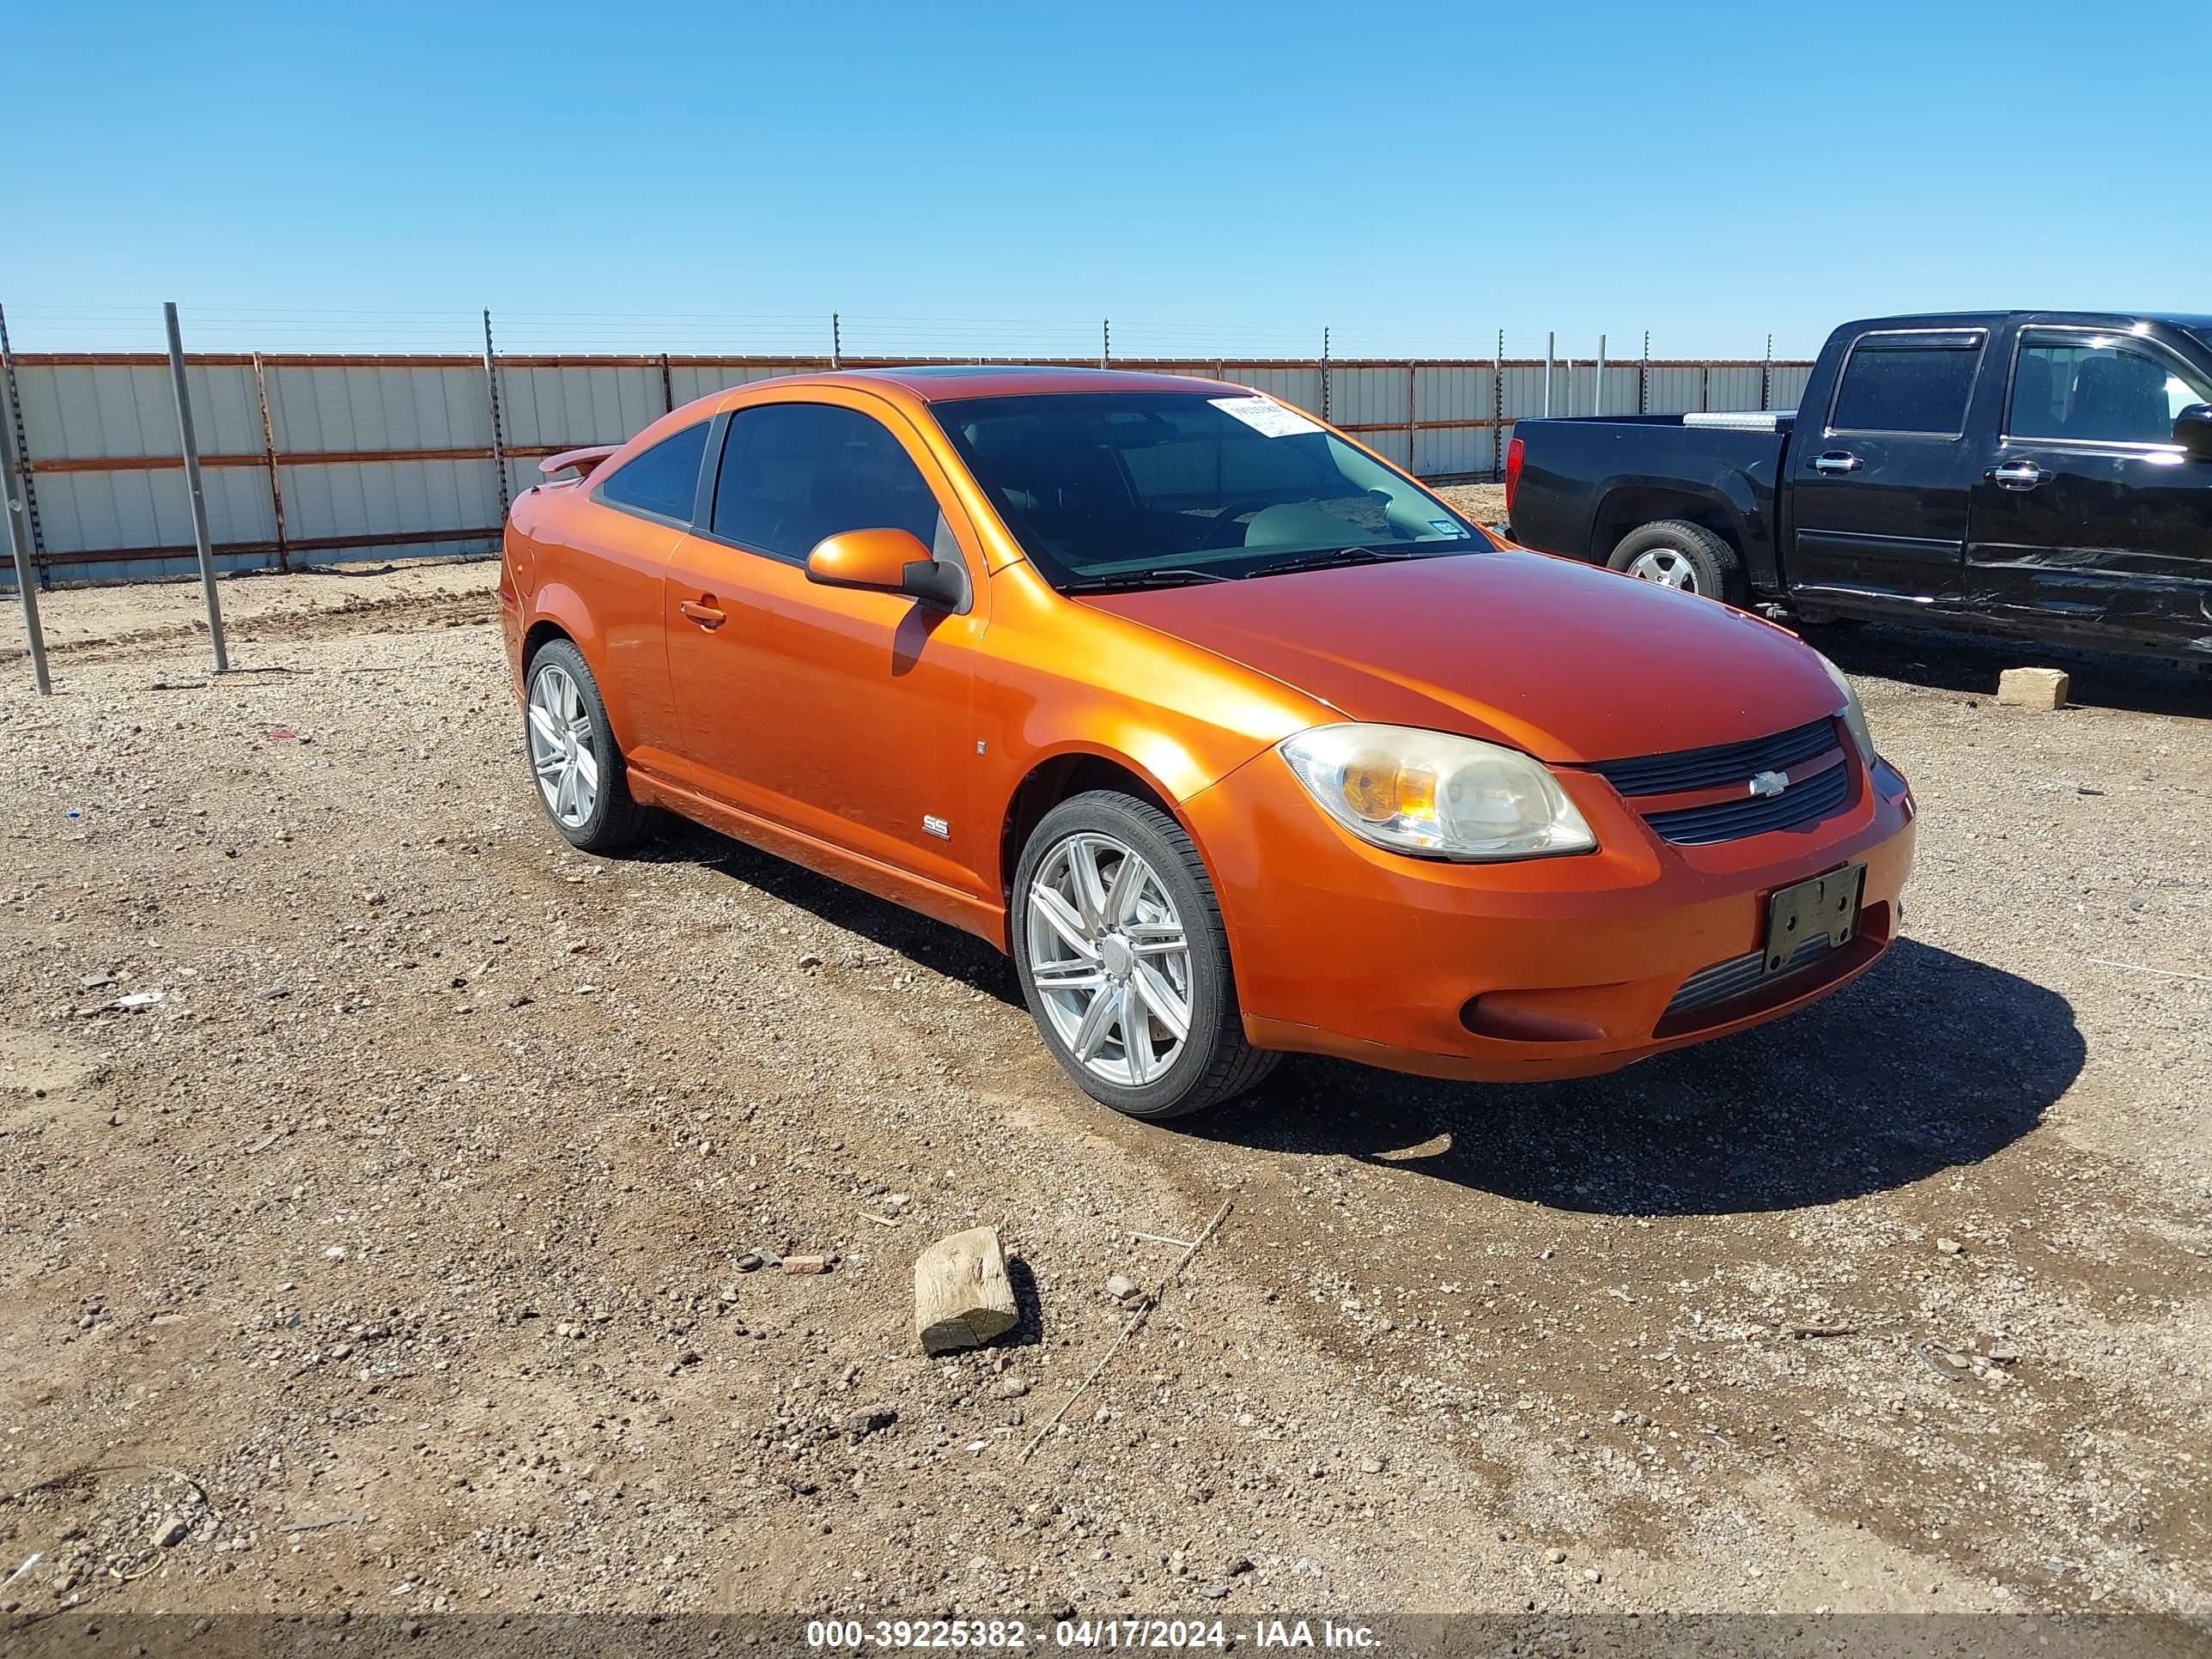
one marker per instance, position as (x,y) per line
(1837,460)
(702,613)
(2016,475)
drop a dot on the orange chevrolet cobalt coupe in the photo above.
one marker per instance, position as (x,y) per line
(1237,738)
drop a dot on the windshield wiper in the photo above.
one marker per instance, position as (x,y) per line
(1143,579)
(1336,555)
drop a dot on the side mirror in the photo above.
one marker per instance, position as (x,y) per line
(889,561)
(2192,430)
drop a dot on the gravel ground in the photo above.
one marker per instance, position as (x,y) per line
(391,1260)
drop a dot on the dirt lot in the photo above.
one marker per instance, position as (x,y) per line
(390,1260)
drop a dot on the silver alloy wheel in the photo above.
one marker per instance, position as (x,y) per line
(1668,566)
(1109,959)
(561,746)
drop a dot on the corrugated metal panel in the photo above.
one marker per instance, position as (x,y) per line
(691,380)
(313,409)
(1676,391)
(1620,383)
(1524,393)
(1297,387)
(72,411)
(1453,394)
(1370,396)
(388,497)
(86,512)
(1736,388)
(1444,452)
(573,405)
(1790,381)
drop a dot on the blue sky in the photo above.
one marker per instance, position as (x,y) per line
(1211,178)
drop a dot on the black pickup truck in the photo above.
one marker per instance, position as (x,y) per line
(2044,474)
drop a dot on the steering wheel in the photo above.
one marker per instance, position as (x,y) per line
(1226,520)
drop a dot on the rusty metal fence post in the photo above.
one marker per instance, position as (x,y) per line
(498,438)
(269,454)
(1498,409)
(23,455)
(1412,417)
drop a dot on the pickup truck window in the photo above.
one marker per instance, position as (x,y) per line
(1907,383)
(2095,388)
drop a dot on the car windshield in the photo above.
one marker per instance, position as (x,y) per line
(1152,489)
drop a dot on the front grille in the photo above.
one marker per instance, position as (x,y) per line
(1728,763)
(1804,802)
(1740,974)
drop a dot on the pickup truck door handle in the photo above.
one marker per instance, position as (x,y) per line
(702,613)
(1837,460)
(2016,475)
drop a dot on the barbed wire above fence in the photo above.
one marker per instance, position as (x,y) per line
(231,328)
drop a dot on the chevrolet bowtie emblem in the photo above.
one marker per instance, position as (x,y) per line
(1769,783)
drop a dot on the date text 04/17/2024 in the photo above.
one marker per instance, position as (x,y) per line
(1138,1634)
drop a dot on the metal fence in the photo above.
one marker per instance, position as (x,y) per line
(317,458)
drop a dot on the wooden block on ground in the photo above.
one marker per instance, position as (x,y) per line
(962,1296)
(2032,688)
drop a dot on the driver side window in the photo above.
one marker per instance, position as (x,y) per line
(793,473)
(2094,389)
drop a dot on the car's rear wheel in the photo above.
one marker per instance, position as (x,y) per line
(1675,553)
(1124,963)
(575,763)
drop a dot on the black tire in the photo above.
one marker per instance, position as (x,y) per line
(1715,571)
(615,820)
(1216,1063)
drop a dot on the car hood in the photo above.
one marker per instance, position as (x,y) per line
(1565,661)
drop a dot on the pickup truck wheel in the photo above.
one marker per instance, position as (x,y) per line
(1675,553)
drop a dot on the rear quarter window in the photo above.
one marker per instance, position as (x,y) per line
(662,481)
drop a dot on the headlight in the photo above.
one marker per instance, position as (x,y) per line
(1854,716)
(1433,794)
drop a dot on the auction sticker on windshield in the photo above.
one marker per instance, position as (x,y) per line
(1265,416)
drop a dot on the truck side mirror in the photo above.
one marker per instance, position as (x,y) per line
(2192,430)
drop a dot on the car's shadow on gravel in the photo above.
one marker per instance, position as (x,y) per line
(1970,664)
(926,943)
(1930,1062)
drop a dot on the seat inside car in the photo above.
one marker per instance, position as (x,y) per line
(2120,399)
(2034,411)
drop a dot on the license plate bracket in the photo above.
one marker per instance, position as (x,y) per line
(1826,907)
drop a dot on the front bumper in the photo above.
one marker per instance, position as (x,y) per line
(1541,968)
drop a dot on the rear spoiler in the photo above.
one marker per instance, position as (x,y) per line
(582,460)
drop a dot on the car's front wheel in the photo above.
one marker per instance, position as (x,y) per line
(1123,960)
(574,761)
